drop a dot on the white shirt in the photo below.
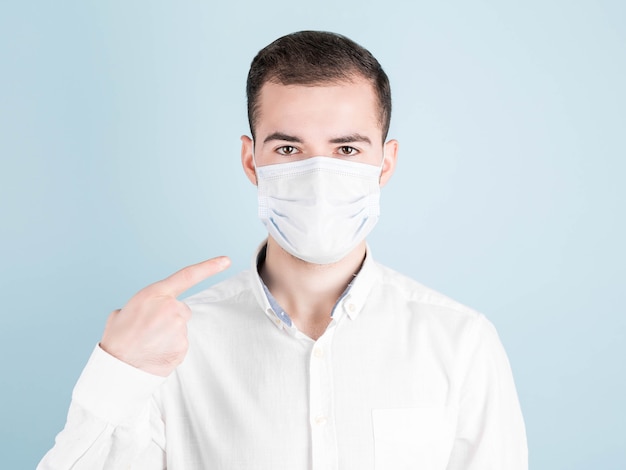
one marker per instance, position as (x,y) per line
(403,378)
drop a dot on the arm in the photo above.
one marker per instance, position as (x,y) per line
(112,422)
(490,430)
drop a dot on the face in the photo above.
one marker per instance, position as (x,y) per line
(334,120)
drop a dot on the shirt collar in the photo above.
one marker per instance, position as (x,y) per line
(259,289)
(351,301)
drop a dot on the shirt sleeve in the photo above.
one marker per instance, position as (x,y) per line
(113,421)
(490,429)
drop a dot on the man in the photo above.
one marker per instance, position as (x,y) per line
(317,357)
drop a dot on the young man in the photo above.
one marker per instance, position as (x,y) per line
(317,357)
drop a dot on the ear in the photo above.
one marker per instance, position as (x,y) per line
(389,165)
(247,159)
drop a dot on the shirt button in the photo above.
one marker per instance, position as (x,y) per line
(351,307)
(277,321)
(318,352)
(321,420)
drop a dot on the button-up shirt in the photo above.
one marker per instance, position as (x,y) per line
(402,378)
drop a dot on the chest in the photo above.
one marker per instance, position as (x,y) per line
(348,400)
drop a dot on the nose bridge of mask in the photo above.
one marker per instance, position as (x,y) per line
(322,185)
(319,181)
(314,180)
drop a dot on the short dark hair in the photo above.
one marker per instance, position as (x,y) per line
(314,58)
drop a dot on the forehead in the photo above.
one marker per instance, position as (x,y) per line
(334,106)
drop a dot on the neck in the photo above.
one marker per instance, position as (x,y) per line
(308,292)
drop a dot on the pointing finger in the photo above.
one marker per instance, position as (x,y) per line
(188,277)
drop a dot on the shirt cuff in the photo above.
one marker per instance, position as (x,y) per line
(113,390)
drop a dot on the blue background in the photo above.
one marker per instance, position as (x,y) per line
(119,145)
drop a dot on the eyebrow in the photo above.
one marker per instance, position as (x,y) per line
(347,139)
(281,136)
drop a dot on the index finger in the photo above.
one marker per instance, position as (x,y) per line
(188,277)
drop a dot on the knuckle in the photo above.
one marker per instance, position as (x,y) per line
(142,294)
(171,305)
(179,322)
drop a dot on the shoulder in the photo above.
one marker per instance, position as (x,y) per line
(229,306)
(435,318)
(393,283)
(228,301)
(426,309)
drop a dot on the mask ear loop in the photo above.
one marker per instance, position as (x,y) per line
(253,159)
(256,173)
(382,164)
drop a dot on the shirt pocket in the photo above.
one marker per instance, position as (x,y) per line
(412,438)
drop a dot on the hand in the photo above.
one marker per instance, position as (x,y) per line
(150,332)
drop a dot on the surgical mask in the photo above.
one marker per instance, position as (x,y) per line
(320,208)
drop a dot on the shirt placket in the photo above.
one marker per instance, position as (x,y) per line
(322,419)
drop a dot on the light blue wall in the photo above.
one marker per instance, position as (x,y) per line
(119,127)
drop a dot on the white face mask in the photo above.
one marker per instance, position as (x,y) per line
(319,209)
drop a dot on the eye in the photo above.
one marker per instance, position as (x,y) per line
(287,150)
(347,151)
